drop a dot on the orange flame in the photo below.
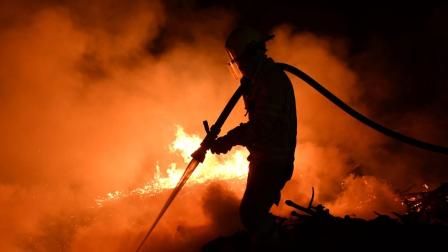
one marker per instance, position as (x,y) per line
(233,166)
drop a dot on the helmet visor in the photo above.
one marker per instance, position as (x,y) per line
(233,66)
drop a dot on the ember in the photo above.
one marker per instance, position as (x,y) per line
(316,226)
(427,207)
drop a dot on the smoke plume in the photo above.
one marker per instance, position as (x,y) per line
(90,96)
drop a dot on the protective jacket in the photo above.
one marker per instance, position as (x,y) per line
(270,133)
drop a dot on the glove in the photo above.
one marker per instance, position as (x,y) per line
(221,145)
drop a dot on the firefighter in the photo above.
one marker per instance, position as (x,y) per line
(269,134)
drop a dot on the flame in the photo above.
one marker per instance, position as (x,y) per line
(233,166)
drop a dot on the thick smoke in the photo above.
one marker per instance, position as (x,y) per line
(86,109)
(90,94)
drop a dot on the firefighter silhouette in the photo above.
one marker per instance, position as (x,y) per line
(269,134)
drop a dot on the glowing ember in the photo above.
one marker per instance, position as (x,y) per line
(233,166)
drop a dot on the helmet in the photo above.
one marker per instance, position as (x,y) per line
(240,41)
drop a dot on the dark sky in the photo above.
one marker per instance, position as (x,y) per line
(409,40)
(398,51)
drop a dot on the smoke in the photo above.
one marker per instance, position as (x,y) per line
(90,94)
(87,109)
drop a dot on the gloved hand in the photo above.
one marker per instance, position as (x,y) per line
(221,145)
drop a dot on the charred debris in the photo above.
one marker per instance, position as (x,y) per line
(423,226)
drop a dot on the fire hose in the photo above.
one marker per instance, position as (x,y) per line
(212,133)
(360,117)
(199,155)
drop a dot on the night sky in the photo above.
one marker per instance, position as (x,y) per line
(408,42)
(398,51)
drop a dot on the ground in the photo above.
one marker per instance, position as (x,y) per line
(424,226)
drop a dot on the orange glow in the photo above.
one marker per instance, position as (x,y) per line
(89,111)
(233,166)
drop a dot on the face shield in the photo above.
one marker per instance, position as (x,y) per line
(233,66)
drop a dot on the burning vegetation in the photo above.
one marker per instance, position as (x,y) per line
(423,216)
(90,96)
(232,168)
